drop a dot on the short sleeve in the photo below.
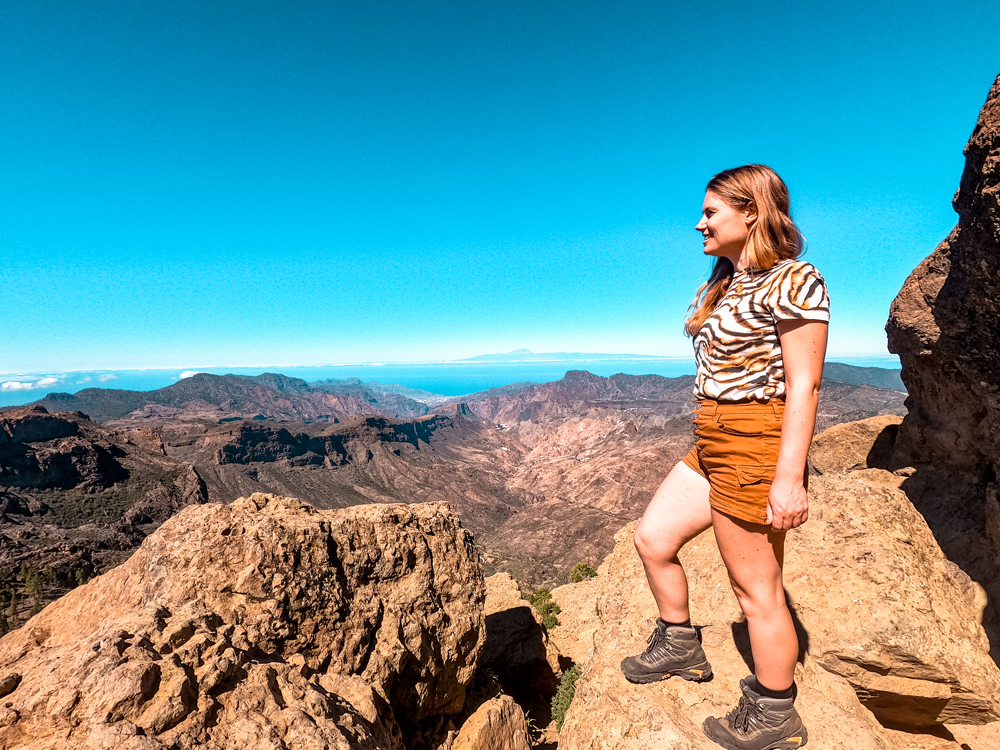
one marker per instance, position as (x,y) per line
(801,294)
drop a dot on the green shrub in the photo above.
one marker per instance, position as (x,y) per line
(541,600)
(581,571)
(564,695)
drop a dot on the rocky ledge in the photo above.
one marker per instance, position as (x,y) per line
(260,624)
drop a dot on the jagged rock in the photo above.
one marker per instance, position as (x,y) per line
(518,647)
(498,724)
(260,624)
(890,627)
(943,323)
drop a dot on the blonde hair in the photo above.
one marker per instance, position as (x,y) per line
(773,235)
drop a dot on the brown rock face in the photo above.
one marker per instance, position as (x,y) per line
(260,624)
(889,628)
(945,322)
(945,326)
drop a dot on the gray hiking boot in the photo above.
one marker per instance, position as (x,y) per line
(672,650)
(758,723)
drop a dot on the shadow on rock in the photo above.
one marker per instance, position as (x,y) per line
(517,650)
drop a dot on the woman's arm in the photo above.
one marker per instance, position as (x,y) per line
(803,349)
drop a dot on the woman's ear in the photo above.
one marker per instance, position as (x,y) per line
(750,213)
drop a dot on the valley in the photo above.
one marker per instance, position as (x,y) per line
(542,474)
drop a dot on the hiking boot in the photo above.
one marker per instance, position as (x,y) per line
(671,650)
(758,723)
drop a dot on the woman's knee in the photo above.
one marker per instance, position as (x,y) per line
(760,602)
(655,545)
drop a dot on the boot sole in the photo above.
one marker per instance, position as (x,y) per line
(691,675)
(784,744)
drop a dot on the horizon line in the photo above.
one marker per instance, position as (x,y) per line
(475,360)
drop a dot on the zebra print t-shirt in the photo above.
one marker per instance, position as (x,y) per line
(737,350)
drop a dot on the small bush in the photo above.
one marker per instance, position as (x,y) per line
(564,695)
(581,571)
(541,600)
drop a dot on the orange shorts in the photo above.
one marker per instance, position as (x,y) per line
(736,450)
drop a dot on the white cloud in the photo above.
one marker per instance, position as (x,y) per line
(85,380)
(13,385)
(18,385)
(188,373)
(106,377)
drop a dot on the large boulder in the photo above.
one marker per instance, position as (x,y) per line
(889,628)
(498,724)
(260,624)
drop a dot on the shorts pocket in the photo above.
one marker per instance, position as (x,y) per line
(750,475)
(738,423)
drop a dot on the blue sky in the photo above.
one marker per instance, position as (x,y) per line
(194,184)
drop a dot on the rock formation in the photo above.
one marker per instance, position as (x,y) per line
(260,624)
(944,326)
(890,630)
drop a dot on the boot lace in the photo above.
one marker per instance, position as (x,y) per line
(655,639)
(746,714)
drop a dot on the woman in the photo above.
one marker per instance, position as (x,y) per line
(759,326)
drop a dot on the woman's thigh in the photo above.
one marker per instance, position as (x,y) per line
(678,512)
(754,556)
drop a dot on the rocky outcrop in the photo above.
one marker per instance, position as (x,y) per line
(865,444)
(943,323)
(498,724)
(261,624)
(890,630)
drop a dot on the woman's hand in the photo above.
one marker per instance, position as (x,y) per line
(787,505)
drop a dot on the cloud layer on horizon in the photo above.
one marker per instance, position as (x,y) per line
(18,385)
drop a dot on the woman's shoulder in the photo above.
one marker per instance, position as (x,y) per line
(796,268)
(792,273)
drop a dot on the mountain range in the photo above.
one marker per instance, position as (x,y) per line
(543,474)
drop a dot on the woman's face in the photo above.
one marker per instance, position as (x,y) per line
(724,228)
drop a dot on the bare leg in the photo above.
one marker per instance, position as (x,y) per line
(754,556)
(678,512)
